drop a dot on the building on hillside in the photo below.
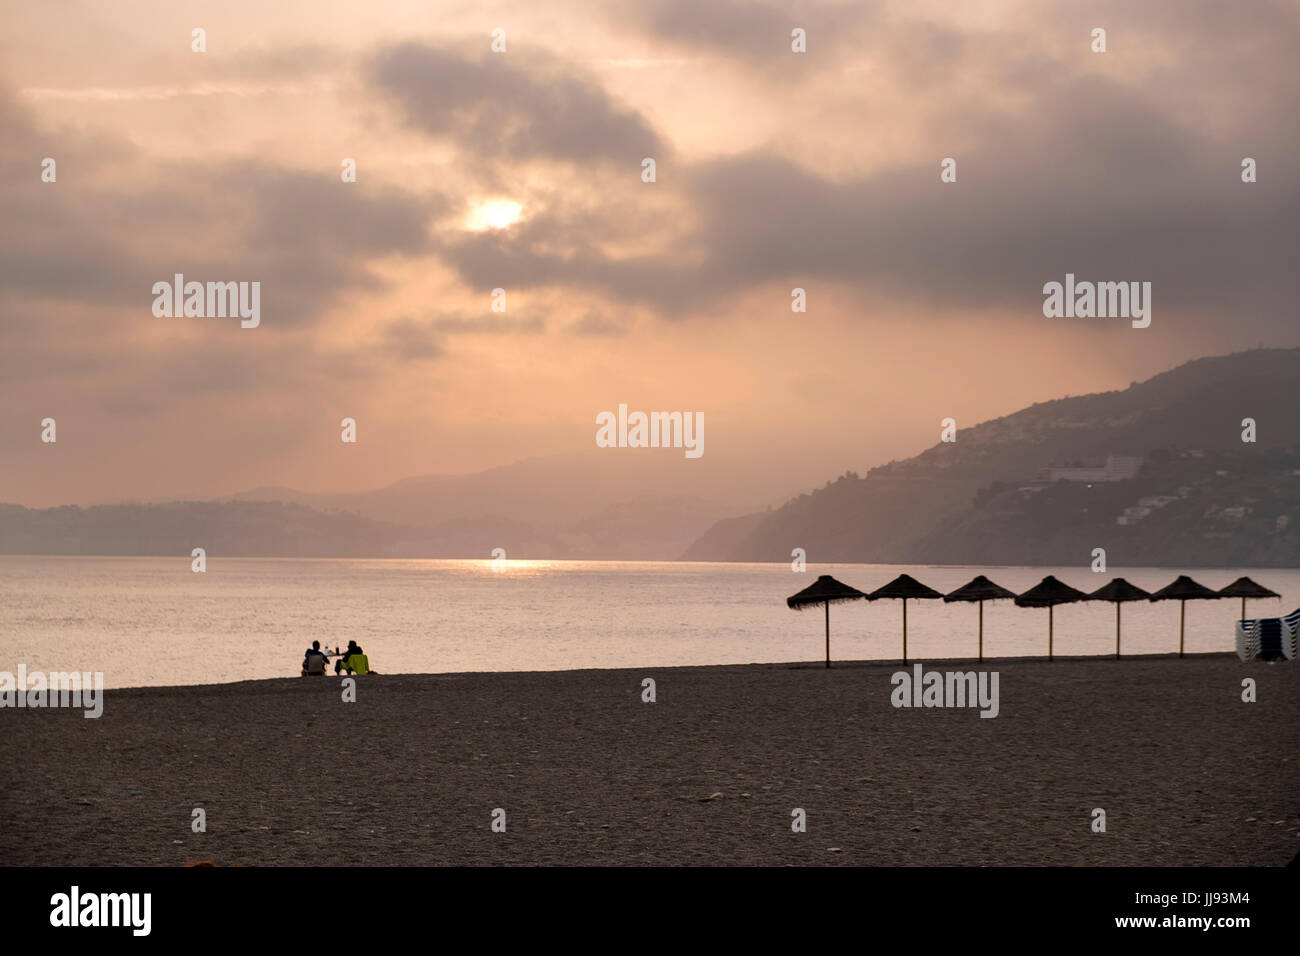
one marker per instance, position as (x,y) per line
(1133,515)
(1115,468)
(1156,501)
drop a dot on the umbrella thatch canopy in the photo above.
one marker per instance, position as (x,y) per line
(1117,592)
(1246,588)
(1048,593)
(904,587)
(1183,589)
(979,589)
(825,590)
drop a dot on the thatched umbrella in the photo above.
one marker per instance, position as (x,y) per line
(1117,592)
(904,586)
(825,590)
(1246,588)
(979,589)
(1183,589)
(1048,593)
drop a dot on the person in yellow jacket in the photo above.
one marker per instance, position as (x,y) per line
(341,664)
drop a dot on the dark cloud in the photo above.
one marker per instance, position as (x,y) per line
(1063,167)
(1091,181)
(1090,177)
(512,105)
(104,233)
(422,339)
(759,31)
(493,323)
(78,259)
(412,341)
(530,259)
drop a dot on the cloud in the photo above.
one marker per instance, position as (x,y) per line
(756,31)
(1089,174)
(412,339)
(493,323)
(1092,181)
(78,259)
(492,107)
(101,236)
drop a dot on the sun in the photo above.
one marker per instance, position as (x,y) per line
(494,214)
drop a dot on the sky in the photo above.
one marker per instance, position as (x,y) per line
(522,170)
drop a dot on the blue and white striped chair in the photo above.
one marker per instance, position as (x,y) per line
(1269,638)
(1247,640)
(1291,639)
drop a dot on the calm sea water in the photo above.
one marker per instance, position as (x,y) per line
(152,621)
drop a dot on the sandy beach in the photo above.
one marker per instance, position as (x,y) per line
(588,773)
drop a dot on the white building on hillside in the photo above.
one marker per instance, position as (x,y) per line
(1116,468)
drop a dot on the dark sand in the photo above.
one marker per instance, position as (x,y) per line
(588,774)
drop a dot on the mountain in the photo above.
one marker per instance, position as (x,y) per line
(981,499)
(621,506)
(1191,493)
(655,530)
(284,529)
(254,529)
(550,493)
(593,504)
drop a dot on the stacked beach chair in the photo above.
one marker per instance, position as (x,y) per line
(1269,638)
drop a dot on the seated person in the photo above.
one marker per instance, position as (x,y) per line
(353,648)
(308,664)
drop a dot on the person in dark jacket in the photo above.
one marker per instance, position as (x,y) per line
(313,651)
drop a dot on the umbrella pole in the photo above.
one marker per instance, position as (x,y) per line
(904,630)
(981,630)
(1118,605)
(1243,609)
(1049,631)
(828,633)
(1182,625)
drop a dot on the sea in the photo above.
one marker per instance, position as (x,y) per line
(156,622)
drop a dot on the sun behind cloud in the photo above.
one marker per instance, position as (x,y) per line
(494,214)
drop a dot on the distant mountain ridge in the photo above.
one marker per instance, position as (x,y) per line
(653,530)
(589,504)
(961,502)
(584,505)
(549,492)
(1201,498)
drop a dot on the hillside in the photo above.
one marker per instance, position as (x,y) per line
(1196,495)
(551,493)
(979,499)
(281,529)
(232,528)
(580,505)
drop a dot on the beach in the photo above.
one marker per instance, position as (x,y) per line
(587,773)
